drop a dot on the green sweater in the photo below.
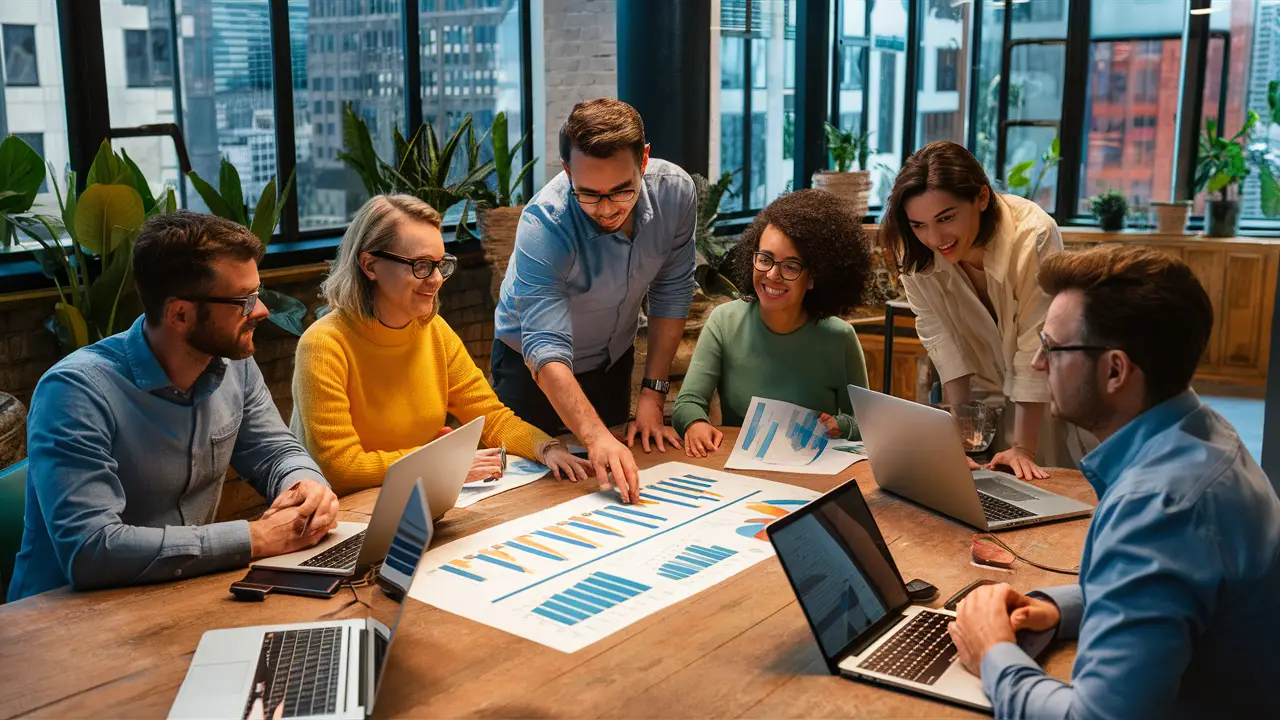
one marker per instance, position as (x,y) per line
(739,357)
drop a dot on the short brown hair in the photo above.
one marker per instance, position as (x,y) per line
(1142,301)
(937,166)
(602,127)
(174,255)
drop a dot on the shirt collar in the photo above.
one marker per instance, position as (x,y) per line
(1104,466)
(150,377)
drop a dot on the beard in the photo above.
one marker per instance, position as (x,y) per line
(1082,406)
(236,344)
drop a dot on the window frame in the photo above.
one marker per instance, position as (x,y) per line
(80,28)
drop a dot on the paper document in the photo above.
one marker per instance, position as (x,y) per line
(520,471)
(783,437)
(578,572)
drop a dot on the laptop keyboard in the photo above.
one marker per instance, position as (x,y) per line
(342,556)
(920,651)
(302,668)
(996,509)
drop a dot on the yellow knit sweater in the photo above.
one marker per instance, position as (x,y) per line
(366,395)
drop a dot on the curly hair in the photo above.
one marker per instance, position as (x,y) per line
(831,243)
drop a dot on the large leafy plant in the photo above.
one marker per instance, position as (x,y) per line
(504,193)
(1019,179)
(422,166)
(92,271)
(845,147)
(1222,165)
(227,200)
(712,252)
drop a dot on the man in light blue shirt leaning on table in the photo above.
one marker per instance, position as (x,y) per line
(616,227)
(129,439)
(1177,611)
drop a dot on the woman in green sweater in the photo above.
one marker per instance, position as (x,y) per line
(806,261)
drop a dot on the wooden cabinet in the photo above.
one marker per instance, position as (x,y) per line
(1239,275)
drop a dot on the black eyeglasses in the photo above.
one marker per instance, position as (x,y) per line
(246,303)
(620,197)
(788,269)
(422,267)
(1047,348)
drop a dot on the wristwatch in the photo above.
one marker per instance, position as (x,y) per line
(662,386)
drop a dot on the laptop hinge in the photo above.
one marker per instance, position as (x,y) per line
(363,645)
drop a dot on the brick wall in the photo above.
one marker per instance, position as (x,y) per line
(581,57)
(27,350)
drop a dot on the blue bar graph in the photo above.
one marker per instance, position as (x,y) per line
(768,440)
(596,593)
(754,427)
(693,560)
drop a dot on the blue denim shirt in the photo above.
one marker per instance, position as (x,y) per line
(126,471)
(1177,612)
(573,294)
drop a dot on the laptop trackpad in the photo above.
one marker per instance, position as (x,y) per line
(216,690)
(991,484)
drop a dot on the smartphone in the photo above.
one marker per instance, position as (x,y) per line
(260,581)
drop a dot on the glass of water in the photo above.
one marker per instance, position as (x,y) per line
(977,425)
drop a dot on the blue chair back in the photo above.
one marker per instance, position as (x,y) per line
(13,497)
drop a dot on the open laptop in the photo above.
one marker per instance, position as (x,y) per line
(857,605)
(353,547)
(329,669)
(916,451)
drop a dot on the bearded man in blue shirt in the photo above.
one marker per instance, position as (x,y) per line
(1175,612)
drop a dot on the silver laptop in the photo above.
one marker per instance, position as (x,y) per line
(916,452)
(857,605)
(353,547)
(327,669)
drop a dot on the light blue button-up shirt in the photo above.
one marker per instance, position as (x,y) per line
(573,294)
(1177,612)
(125,470)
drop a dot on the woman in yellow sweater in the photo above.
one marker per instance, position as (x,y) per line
(375,378)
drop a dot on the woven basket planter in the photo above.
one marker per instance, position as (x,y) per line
(854,187)
(498,237)
(13,430)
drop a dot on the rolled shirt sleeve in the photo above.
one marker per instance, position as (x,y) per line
(542,252)
(944,352)
(1023,383)
(671,292)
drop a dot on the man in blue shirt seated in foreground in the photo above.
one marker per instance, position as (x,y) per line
(1176,608)
(129,439)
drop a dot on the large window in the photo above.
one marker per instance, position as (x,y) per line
(20,56)
(756,100)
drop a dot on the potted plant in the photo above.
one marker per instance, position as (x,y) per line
(227,201)
(1171,217)
(1110,209)
(1018,179)
(92,272)
(846,148)
(1221,168)
(498,209)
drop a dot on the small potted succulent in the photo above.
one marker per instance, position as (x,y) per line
(1109,208)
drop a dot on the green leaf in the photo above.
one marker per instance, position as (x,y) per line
(287,312)
(358,152)
(528,168)
(1273,100)
(502,158)
(232,192)
(21,172)
(264,214)
(1017,176)
(105,292)
(139,182)
(1270,191)
(69,209)
(217,205)
(1219,181)
(1054,147)
(102,209)
(108,168)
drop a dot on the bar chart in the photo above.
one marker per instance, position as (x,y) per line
(596,593)
(694,560)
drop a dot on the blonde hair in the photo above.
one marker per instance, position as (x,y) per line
(373,228)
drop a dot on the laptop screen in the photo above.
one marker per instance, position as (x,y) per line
(840,567)
(395,576)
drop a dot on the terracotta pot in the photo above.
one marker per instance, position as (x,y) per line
(854,187)
(498,238)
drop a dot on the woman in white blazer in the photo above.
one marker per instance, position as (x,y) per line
(969,258)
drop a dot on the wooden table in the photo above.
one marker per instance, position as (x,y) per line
(741,648)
